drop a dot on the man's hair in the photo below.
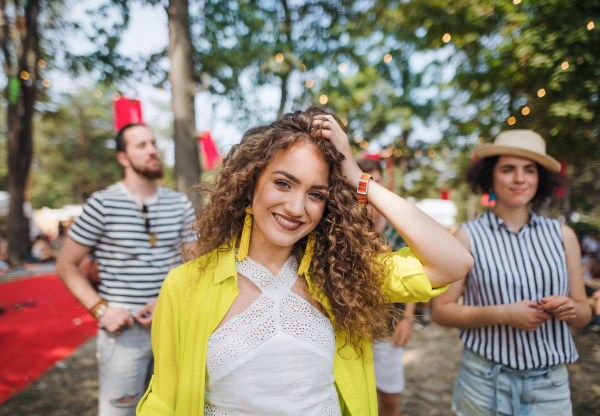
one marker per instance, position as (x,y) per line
(480,177)
(369,165)
(120,137)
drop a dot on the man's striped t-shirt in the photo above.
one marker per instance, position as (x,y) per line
(113,223)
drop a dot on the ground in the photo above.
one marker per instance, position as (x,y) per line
(432,360)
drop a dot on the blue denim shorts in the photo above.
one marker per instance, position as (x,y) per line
(484,387)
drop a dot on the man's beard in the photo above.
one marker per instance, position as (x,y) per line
(147,172)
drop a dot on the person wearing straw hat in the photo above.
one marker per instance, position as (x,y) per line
(523,292)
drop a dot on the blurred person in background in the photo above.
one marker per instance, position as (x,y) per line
(135,229)
(523,293)
(387,354)
(41,250)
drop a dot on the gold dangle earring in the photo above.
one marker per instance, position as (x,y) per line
(308,253)
(245,239)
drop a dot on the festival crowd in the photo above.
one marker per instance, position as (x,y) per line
(293,289)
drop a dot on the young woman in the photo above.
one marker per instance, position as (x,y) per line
(277,314)
(523,293)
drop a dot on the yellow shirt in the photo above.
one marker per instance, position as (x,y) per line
(191,307)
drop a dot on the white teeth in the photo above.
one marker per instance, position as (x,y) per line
(286,222)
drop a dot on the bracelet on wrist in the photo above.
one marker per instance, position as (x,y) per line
(99,309)
(363,187)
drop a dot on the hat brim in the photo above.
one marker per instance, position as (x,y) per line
(546,161)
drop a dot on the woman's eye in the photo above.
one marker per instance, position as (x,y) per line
(283,184)
(317,195)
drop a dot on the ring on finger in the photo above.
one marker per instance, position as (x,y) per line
(560,308)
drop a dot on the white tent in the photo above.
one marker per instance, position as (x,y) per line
(441,210)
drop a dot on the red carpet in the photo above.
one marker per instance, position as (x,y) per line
(33,339)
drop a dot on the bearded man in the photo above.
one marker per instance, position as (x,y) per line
(135,229)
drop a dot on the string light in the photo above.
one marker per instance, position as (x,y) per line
(590,25)
(303,67)
(525,111)
(323,99)
(24,75)
(363,145)
(511,121)
(387,58)
(358,138)
(342,67)
(309,83)
(42,63)
(97,93)
(516,1)
(397,152)
(279,57)
(419,154)
(72,90)
(431,153)
(565,65)
(446,151)
(446,38)
(541,92)
(344,122)
(46,82)
(353,148)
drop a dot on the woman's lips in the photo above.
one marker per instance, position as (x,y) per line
(287,222)
(519,191)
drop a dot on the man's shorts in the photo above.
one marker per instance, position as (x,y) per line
(389,369)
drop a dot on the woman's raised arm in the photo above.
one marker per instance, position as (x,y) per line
(444,259)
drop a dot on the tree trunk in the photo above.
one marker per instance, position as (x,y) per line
(596,198)
(187,163)
(287,29)
(284,79)
(20,112)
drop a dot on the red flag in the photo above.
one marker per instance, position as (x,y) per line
(210,150)
(127,112)
(560,192)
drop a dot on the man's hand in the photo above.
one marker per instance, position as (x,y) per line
(560,307)
(525,315)
(115,320)
(146,314)
(402,333)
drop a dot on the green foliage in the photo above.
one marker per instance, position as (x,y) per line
(71,159)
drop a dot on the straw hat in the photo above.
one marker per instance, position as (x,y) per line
(521,143)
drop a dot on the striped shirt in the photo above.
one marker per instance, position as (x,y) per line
(131,270)
(511,267)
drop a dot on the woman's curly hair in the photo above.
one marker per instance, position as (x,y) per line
(347,263)
(480,176)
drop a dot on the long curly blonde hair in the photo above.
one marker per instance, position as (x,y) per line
(348,263)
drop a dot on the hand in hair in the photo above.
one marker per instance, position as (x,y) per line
(332,131)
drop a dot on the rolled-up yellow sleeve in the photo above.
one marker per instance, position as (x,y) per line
(407,281)
(161,396)
(151,405)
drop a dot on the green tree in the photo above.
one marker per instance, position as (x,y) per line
(534,65)
(75,153)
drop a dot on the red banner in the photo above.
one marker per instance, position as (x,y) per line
(210,150)
(127,112)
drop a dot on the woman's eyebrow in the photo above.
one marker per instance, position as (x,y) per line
(294,179)
(288,175)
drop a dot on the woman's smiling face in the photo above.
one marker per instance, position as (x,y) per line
(290,196)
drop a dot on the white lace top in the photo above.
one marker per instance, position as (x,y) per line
(276,357)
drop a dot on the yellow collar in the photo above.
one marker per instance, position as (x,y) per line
(225,265)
